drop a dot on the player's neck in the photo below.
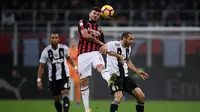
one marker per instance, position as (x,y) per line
(122,43)
(54,47)
(91,21)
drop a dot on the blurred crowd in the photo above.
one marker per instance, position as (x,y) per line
(170,12)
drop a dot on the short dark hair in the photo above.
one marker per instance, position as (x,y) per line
(125,34)
(96,9)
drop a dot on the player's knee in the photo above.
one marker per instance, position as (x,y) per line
(65,92)
(56,98)
(84,82)
(118,96)
(141,97)
(100,67)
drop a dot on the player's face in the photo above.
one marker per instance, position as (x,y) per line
(54,40)
(129,40)
(94,15)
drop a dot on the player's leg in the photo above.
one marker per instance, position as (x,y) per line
(85,69)
(76,80)
(53,86)
(132,88)
(66,102)
(77,89)
(99,64)
(139,95)
(116,89)
(115,103)
(57,103)
(65,87)
(85,93)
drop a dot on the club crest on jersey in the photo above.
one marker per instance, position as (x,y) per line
(97,33)
(56,55)
(57,61)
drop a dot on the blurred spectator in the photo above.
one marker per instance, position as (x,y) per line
(170,16)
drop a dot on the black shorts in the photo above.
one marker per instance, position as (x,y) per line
(126,84)
(58,85)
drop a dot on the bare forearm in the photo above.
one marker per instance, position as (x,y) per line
(40,72)
(69,59)
(91,39)
(132,66)
(112,53)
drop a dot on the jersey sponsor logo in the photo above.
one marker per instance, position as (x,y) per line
(57,61)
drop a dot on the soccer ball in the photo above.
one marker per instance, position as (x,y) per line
(107,11)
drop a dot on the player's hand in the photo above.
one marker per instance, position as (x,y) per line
(39,85)
(143,75)
(103,49)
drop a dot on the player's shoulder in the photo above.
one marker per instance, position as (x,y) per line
(62,46)
(114,43)
(46,49)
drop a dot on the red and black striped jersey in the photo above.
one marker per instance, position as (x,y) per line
(95,31)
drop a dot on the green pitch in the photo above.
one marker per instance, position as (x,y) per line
(99,106)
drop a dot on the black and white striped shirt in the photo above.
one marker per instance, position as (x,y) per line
(56,61)
(113,64)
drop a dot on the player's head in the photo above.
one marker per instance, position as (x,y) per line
(127,38)
(72,42)
(95,14)
(54,39)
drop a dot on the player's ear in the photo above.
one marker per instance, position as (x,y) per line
(89,14)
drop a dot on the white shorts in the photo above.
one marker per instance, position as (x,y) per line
(87,60)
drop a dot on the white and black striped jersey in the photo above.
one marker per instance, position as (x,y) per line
(113,64)
(56,61)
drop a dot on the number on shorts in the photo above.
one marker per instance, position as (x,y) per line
(114,88)
(67,85)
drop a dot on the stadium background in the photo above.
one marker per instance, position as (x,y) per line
(171,84)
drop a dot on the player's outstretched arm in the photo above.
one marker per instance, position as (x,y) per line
(40,75)
(142,74)
(132,66)
(69,59)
